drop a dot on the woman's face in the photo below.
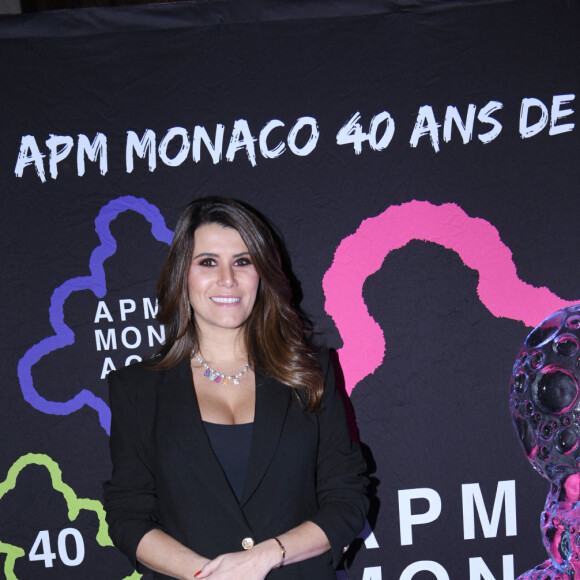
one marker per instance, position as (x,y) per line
(222,281)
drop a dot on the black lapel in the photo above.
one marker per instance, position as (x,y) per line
(178,404)
(272,402)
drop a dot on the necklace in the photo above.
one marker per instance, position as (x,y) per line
(217,377)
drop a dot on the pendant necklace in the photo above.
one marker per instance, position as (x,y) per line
(217,377)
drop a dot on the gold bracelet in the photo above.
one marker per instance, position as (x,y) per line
(283,559)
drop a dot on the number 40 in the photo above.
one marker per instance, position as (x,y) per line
(41,548)
(352,132)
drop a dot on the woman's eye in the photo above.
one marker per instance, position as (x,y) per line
(243,262)
(207,262)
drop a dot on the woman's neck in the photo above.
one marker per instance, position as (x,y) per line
(224,347)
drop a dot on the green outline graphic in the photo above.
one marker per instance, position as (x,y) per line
(74,504)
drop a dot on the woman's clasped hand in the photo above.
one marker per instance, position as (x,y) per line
(254,564)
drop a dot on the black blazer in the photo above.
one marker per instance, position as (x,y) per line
(302,466)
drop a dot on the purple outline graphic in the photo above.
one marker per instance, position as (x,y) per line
(476,242)
(96,282)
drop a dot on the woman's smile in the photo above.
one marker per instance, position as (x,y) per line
(225,300)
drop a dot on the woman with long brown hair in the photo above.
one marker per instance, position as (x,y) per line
(231,453)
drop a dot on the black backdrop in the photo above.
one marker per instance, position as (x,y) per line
(466,174)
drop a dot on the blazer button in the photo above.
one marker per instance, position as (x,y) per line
(247,543)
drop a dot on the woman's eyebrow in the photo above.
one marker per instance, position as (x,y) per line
(213,255)
(205,255)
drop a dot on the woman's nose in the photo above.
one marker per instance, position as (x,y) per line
(227,276)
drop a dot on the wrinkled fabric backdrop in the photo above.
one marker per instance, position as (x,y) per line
(420,161)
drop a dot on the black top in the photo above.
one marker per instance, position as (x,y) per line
(231,444)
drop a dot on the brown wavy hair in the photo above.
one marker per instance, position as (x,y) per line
(274,334)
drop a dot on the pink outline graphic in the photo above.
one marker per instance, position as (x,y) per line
(475,240)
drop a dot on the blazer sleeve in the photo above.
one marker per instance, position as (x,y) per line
(340,481)
(129,496)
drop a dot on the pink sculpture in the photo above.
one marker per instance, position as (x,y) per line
(545,409)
